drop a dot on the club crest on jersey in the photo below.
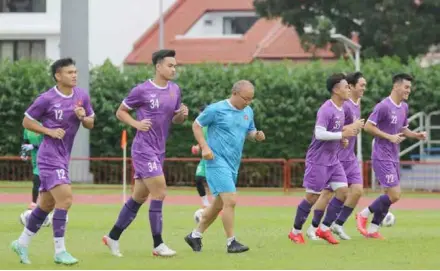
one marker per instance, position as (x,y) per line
(171,94)
(246,117)
(79,103)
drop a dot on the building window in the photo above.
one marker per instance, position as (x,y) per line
(22,49)
(238,25)
(22,5)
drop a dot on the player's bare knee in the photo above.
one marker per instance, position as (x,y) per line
(159,195)
(47,206)
(394,197)
(341,193)
(393,193)
(229,200)
(356,192)
(312,198)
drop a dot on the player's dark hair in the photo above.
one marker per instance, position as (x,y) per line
(398,78)
(353,78)
(333,80)
(61,63)
(159,56)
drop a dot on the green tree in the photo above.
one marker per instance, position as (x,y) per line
(402,28)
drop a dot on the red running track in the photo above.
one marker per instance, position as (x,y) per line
(268,201)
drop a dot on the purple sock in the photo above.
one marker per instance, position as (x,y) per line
(156,221)
(36,219)
(156,216)
(343,215)
(126,216)
(317,216)
(333,208)
(59,222)
(380,214)
(302,213)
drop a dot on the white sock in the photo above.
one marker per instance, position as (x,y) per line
(295,231)
(372,228)
(59,244)
(25,237)
(230,240)
(365,212)
(196,234)
(323,227)
(336,226)
(312,227)
(205,201)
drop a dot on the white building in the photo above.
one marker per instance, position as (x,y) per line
(31,28)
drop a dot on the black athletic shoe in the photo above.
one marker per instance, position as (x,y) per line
(236,247)
(194,243)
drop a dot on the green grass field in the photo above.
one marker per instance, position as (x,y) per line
(100,189)
(413,243)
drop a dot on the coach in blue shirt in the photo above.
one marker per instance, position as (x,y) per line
(229,123)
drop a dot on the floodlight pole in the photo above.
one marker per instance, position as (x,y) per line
(161,26)
(357,65)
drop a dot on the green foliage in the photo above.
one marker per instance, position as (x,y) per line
(403,28)
(286,101)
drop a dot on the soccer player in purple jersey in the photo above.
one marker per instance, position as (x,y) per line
(322,164)
(61,110)
(347,157)
(158,104)
(389,125)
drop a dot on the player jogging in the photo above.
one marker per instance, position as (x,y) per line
(200,171)
(229,123)
(158,104)
(347,157)
(322,164)
(61,110)
(31,143)
(389,125)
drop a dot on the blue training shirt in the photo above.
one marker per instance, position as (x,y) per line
(227,131)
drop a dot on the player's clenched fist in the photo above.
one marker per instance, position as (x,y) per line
(421,135)
(80,112)
(183,110)
(259,136)
(397,138)
(207,153)
(57,133)
(143,125)
(359,124)
(349,131)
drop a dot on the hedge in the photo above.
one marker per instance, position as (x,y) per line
(287,98)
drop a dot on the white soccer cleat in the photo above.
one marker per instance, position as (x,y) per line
(339,231)
(164,251)
(113,245)
(311,233)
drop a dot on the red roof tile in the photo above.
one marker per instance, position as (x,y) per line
(266,39)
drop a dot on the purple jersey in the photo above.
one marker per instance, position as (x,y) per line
(392,119)
(322,152)
(352,112)
(159,104)
(56,110)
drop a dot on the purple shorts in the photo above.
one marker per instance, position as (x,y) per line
(387,172)
(353,172)
(317,177)
(49,178)
(147,165)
